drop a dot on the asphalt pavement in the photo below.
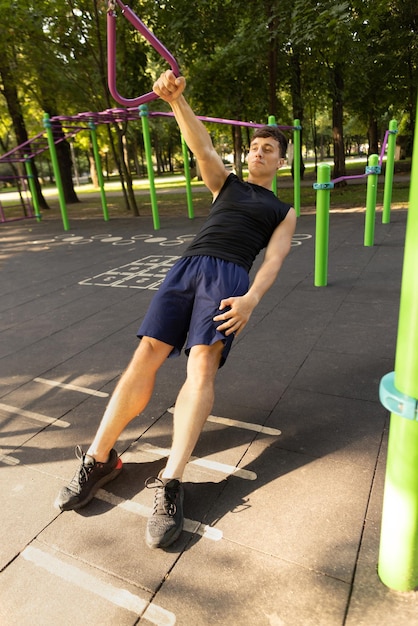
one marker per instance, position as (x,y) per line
(283,495)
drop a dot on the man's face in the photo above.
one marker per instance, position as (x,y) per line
(264,156)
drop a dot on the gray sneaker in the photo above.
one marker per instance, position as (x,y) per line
(90,476)
(166,521)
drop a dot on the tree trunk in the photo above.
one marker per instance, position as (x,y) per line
(125,174)
(337,121)
(93,170)
(272,60)
(64,161)
(237,140)
(297,100)
(15,111)
(411,104)
(373,135)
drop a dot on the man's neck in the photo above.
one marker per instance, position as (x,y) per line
(267,183)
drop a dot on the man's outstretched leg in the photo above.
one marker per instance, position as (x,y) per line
(101,463)
(192,409)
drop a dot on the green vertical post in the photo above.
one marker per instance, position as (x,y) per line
(143,112)
(398,555)
(390,164)
(32,188)
(372,171)
(185,152)
(323,193)
(57,173)
(272,122)
(296,166)
(99,170)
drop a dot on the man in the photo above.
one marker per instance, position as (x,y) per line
(203,303)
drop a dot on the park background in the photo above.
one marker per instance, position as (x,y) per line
(343,69)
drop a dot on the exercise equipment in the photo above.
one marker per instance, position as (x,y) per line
(111,52)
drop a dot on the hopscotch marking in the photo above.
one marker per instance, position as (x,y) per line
(13,410)
(146,273)
(57,383)
(111,593)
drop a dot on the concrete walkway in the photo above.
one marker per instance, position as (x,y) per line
(284,492)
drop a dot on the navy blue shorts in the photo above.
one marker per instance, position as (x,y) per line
(181,312)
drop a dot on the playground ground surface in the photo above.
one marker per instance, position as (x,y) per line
(284,491)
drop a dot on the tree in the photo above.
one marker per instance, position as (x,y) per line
(323,28)
(9,91)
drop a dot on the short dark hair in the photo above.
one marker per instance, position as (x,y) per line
(276,134)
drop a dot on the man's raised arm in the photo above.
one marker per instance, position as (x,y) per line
(170,88)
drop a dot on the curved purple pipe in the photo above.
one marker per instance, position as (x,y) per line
(111,53)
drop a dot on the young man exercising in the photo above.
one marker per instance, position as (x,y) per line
(203,303)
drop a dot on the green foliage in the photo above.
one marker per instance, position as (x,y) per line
(238,59)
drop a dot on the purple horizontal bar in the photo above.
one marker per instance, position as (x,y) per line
(218,120)
(338,180)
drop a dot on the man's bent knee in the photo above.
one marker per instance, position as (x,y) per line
(153,351)
(204,360)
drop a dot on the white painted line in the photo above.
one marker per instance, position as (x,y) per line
(57,383)
(223,468)
(265,430)
(91,584)
(34,416)
(8,460)
(191,526)
(230,470)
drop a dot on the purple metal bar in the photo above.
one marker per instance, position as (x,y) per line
(218,120)
(22,149)
(25,203)
(382,154)
(338,180)
(111,52)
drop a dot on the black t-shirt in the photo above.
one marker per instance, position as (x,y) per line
(240,223)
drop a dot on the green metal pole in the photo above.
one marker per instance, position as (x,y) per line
(398,557)
(272,122)
(296,166)
(143,112)
(373,171)
(185,151)
(390,163)
(32,187)
(57,173)
(99,170)
(323,187)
